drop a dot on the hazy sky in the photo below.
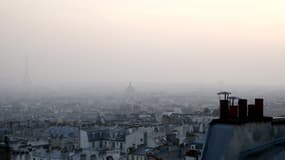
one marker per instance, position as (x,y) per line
(189,41)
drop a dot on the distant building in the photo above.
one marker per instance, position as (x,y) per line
(107,139)
(130,90)
(64,137)
(139,153)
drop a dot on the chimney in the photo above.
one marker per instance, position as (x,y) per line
(233,111)
(224,109)
(242,109)
(259,103)
(224,105)
(251,112)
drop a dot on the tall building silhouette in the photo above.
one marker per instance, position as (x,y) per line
(130,90)
(130,94)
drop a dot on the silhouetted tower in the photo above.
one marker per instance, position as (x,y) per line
(130,91)
(224,104)
(130,94)
(27,81)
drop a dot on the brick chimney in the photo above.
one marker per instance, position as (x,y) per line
(242,103)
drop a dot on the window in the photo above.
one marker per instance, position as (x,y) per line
(121,145)
(109,158)
(100,144)
(93,157)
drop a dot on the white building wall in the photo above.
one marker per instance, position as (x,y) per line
(84,144)
(134,139)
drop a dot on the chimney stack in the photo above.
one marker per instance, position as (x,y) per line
(224,109)
(242,109)
(259,103)
(251,112)
(233,109)
(224,105)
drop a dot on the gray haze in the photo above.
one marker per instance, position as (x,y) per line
(81,43)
